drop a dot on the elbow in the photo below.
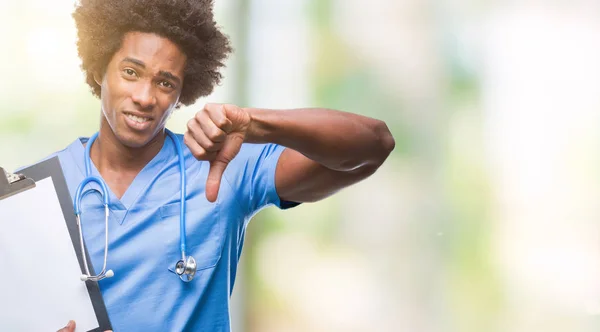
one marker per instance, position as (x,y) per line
(373,154)
(386,142)
(382,146)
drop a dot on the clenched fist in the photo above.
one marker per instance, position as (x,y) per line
(216,134)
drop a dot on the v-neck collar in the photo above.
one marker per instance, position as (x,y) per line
(120,207)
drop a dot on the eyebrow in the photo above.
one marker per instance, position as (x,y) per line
(169,76)
(135,61)
(162,73)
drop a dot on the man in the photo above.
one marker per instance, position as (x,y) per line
(144,59)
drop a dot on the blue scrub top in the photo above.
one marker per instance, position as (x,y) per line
(145,294)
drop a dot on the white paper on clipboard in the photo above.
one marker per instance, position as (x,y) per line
(40,289)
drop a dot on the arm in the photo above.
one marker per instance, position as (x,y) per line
(326,150)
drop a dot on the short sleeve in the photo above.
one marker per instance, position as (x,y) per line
(251,175)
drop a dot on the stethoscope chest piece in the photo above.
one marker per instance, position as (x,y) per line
(186,269)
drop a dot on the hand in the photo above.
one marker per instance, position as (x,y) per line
(71,327)
(216,134)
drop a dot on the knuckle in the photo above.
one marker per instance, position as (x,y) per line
(224,159)
(198,154)
(210,145)
(187,140)
(213,135)
(200,115)
(234,109)
(221,122)
(190,124)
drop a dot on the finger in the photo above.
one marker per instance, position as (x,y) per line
(200,137)
(218,115)
(210,128)
(219,164)
(69,328)
(197,151)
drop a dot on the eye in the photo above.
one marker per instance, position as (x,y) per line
(129,72)
(166,84)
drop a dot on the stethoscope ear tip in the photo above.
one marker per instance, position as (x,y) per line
(83,277)
(109,274)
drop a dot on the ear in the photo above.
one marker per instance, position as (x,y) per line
(97,79)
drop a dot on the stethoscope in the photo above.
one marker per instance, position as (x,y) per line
(185,267)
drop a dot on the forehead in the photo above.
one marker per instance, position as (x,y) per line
(156,52)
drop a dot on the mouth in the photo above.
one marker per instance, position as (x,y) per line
(137,121)
(137,118)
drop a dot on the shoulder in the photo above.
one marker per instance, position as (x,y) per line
(254,160)
(259,153)
(67,156)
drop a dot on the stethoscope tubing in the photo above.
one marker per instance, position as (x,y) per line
(182,205)
(105,201)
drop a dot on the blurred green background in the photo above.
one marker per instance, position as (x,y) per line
(484,218)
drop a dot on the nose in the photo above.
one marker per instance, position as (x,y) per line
(143,96)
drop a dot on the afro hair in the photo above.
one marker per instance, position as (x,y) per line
(190,24)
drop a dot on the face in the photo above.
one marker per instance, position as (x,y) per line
(141,87)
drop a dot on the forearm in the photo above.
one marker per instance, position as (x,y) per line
(337,140)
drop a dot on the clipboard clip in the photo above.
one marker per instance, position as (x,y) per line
(12,184)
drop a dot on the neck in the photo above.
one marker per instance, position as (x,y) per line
(109,155)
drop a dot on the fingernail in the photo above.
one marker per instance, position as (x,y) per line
(70,324)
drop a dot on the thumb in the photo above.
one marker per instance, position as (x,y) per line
(217,168)
(230,149)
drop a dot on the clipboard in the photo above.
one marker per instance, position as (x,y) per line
(42,189)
